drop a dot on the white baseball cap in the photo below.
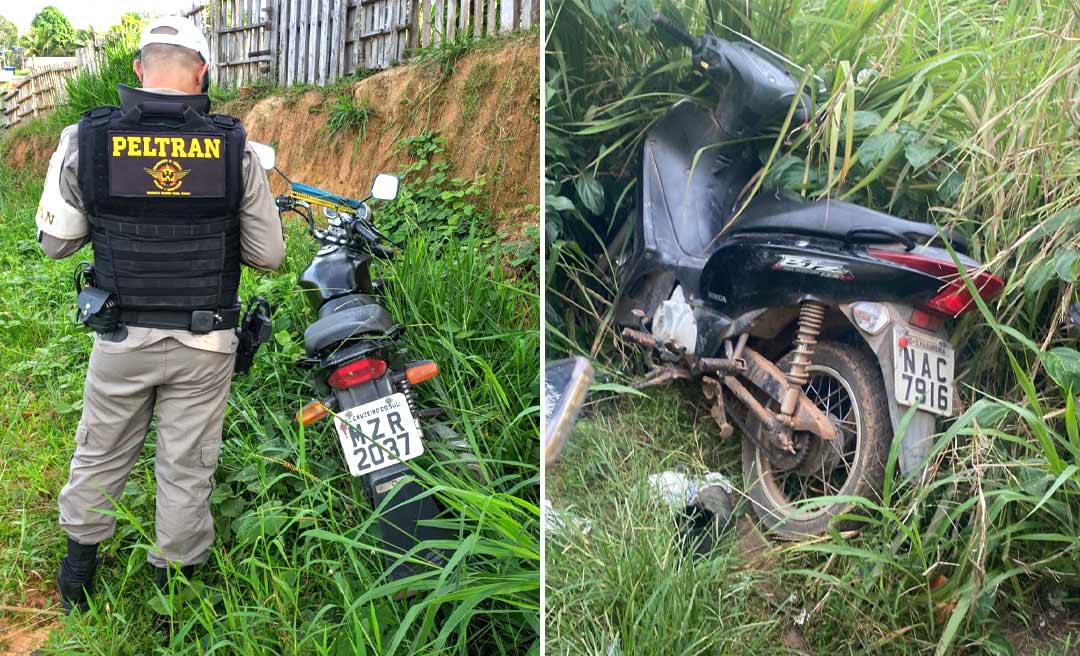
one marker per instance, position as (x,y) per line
(182,33)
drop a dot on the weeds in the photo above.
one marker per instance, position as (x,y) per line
(445,53)
(295,568)
(953,112)
(348,114)
(87,90)
(478,78)
(443,207)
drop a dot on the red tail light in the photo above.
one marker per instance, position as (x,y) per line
(953,299)
(357,372)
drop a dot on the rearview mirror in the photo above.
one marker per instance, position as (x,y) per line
(385,187)
(267,156)
(566,383)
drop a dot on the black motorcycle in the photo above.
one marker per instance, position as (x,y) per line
(352,349)
(818,327)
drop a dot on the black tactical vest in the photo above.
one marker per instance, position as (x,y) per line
(162,183)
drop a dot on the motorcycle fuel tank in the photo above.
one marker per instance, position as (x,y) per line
(753,271)
(334,271)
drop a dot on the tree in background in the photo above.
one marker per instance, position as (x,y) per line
(131,23)
(9,37)
(51,34)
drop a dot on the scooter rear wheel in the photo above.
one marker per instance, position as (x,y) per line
(846,384)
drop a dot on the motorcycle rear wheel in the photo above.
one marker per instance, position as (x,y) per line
(846,384)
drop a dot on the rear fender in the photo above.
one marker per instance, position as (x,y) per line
(916,441)
(407,508)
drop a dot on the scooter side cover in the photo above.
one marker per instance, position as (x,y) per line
(689,182)
(752,271)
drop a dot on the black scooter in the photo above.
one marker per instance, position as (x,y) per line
(352,348)
(815,326)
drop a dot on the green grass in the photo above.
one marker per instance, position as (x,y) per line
(295,568)
(954,112)
(476,82)
(86,90)
(629,582)
(348,115)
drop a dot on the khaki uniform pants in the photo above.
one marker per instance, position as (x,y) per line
(186,389)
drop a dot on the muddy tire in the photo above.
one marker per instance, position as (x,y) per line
(845,382)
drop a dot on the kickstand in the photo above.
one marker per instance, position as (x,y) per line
(663,374)
(712,389)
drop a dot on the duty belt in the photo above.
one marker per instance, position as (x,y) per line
(198,322)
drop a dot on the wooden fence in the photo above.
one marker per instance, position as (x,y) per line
(36,94)
(301,41)
(319,41)
(89,55)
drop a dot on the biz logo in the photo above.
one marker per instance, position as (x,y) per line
(823,268)
(167,175)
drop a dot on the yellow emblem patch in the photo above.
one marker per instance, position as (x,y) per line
(168,175)
(178,167)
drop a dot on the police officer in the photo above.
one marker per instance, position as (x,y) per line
(173,201)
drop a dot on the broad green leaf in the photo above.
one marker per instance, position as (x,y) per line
(909,133)
(877,147)
(590,192)
(1065,265)
(559,203)
(232,507)
(605,9)
(1063,365)
(640,14)
(786,173)
(920,154)
(160,604)
(283,338)
(1040,276)
(864,120)
(949,186)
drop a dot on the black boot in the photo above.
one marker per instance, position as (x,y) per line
(163,574)
(76,577)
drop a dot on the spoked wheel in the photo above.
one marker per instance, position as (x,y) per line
(846,385)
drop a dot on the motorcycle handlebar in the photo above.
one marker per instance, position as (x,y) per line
(674,30)
(359,226)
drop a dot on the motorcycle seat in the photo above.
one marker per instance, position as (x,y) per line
(346,302)
(785,212)
(367,320)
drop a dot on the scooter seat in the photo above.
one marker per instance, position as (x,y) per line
(366,320)
(346,302)
(787,213)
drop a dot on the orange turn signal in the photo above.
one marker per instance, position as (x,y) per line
(421,371)
(312,413)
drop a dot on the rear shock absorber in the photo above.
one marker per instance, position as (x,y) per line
(811,318)
(406,388)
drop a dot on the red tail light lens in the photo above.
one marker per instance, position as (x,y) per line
(927,320)
(357,372)
(954,298)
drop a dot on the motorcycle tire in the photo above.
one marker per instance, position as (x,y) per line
(846,383)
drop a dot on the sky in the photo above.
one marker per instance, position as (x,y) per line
(86,13)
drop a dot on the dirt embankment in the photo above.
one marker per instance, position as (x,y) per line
(488,110)
(30,153)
